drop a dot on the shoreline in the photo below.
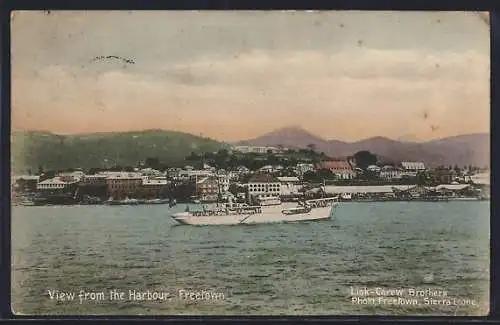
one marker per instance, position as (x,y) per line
(457,199)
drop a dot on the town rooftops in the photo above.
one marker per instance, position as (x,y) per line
(413,165)
(263,178)
(123,175)
(55,180)
(96,176)
(288,179)
(154,182)
(334,164)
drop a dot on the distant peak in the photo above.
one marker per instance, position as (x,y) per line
(294,127)
(377,138)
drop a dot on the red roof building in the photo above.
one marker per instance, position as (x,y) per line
(341,168)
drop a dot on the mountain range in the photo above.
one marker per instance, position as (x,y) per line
(33,149)
(469,149)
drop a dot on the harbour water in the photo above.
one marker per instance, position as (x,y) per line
(317,268)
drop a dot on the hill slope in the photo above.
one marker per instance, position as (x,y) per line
(29,150)
(462,150)
(290,137)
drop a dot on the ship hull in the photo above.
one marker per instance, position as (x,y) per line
(316,214)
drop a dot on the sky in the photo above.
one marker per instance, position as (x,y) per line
(345,75)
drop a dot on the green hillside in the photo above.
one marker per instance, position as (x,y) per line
(29,150)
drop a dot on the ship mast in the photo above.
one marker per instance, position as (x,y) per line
(218,186)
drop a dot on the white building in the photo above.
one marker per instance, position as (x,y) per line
(263,186)
(224,182)
(55,183)
(390,173)
(412,166)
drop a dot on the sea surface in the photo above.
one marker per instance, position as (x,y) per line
(316,268)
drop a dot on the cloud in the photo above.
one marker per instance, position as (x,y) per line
(348,95)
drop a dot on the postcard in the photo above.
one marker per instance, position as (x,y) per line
(250,163)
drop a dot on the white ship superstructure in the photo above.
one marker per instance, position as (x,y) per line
(233,214)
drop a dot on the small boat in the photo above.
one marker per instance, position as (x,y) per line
(346,196)
(157,201)
(26,203)
(435,199)
(470,198)
(88,200)
(126,201)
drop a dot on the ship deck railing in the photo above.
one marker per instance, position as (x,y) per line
(296,210)
(229,211)
(315,203)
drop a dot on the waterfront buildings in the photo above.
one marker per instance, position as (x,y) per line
(56,184)
(263,185)
(207,189)
(443,175)
(411,168)
(123,184)
(97,179)
(223,181)
(409,191)
(209,182)
(341,168)
(153,187)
